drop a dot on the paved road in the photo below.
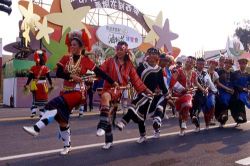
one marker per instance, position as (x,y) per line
(216,146)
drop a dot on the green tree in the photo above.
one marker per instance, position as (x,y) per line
(243,33)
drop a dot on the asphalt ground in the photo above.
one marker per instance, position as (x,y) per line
(216,146)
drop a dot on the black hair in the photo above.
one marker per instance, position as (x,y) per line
(153,50)
(78,41)
(41,57)
(126,57)
(200,59)
(191,57)
(222,57)
(83,51)
(122,43)
(163,56)
(179,63)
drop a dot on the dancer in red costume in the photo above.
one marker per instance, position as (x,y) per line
(120,69)
(183,83)
(71,68)
(39,88)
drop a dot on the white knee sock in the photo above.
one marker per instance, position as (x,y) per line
(47,118)
(65,135)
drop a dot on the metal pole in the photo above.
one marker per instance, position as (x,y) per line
(41,43)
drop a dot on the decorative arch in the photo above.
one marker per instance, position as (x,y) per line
(119,5)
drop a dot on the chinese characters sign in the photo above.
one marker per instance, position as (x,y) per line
(113,33)
(113,4)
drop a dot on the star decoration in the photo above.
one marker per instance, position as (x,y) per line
(18,46)
(165,36)
(152,36)
(30,18)
(26,35)
(69,17)
(29,21)
(44,30)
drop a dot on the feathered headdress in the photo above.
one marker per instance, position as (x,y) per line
(38,54)
(81,36)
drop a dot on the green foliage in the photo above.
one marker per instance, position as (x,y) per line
(57,50)
(17,68)
(243,33)
(109,52)
(22,73)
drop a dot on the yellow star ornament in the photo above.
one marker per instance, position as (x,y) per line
(44,30)
(26,35)
(29,21)
(30,18)
(152,36)
(69,17)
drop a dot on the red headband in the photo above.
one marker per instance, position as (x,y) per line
(123,47)
(213,62)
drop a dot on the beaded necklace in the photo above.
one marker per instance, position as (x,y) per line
(72,67)
(188,78)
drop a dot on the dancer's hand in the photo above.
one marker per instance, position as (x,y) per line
(51,88)
(148,92)
(115,85)
(188,90)
(171,102)
(157,91)
(246,90)
(205,91)
(168,97)
(26,87)
(76,78)
(231,91)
